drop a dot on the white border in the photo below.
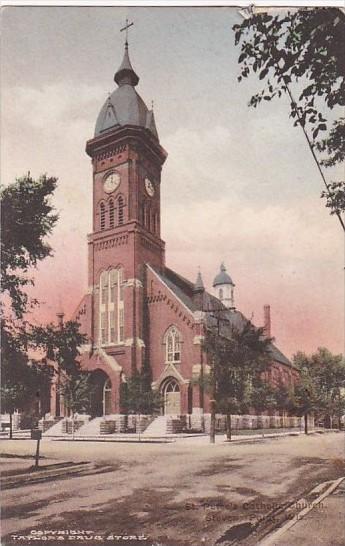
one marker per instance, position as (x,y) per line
(176,3)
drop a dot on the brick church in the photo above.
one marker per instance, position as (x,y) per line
(136,308)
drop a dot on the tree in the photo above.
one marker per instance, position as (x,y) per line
(27,218)
(306,395)
(62,343)
(322,385)
(238,361)
(76,390)
(284,397)
(21,381)
(139,397)
(302,50)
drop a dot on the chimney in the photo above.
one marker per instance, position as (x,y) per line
(267,320)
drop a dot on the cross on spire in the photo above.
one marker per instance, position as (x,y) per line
(126,27)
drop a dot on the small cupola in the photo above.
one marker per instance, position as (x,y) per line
(224,287)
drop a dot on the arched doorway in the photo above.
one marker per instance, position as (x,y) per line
(100,396)
(107,397)
(172,397)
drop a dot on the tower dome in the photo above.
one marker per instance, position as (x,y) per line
(224,287)
(124,106)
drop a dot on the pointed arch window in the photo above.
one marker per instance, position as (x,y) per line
(121,212)
(111,307)
(172,342)
(103,307)
(102,216)
(111,214)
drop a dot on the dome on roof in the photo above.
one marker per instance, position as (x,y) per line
(125,106)
(222,277)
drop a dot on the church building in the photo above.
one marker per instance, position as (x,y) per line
(137,310)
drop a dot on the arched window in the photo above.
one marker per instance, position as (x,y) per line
(113,289)
(111,213)
(221,293)
(102,215)
(172,386)
(121,215)
(103,289)
(173,345)
(111,307)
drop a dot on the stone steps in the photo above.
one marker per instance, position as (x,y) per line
(158,427)
(92,428)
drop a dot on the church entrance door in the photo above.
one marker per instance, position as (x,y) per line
(107,397)
(172,398)
(100,396)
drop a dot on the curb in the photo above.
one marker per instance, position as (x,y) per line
(270,540)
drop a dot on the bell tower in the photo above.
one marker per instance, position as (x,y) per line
(127,160)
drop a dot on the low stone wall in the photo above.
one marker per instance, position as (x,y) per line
(249,422)
(46,423)
(68,426)
(121,423)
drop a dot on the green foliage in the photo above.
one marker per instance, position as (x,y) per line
(284,397)
(60,344)
(304,48)
(76,390)
(27,218)
(322,384)
(21,381)
(335,197)
(237,363)
(139,398)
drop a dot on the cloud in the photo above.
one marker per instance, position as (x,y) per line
(245,193)
(55,104)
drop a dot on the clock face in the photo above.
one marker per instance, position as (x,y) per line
(111,182)
(149,187)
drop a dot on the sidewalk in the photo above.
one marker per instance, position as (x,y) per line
(324,525)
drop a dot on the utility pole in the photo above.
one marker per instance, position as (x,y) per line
(219,319)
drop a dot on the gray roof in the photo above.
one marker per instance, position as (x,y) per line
(125,106)
(184,290)
(222,277)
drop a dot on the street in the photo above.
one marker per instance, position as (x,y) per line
(179,494)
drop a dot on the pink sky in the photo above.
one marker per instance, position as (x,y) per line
(239,185)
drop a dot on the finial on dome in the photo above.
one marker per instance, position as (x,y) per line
(125,74)
(126,27)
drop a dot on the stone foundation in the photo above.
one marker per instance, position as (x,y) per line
(47,422)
